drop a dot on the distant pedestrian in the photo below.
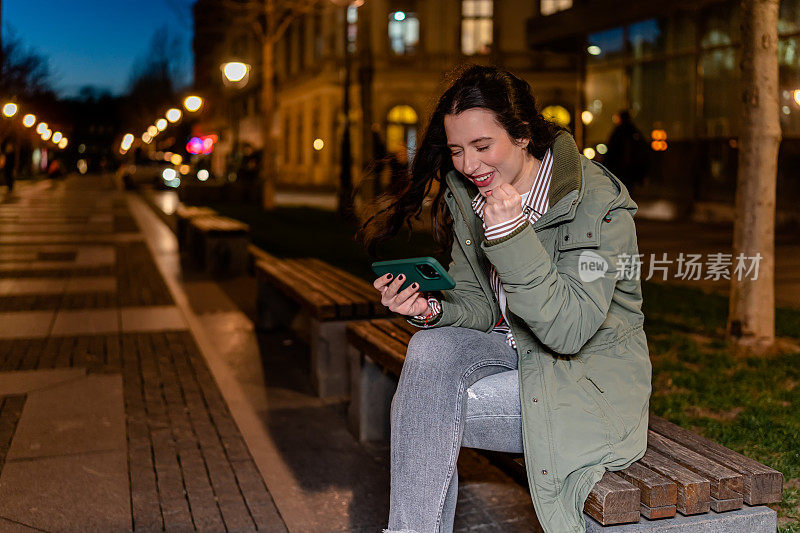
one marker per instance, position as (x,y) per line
(10,159)
(628,152)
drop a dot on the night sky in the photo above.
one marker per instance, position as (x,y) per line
(96,42)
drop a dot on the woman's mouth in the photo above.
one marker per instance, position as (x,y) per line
(484,180)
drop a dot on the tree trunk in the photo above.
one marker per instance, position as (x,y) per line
(751,320)
(269,166)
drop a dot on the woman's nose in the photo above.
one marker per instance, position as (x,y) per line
(471,164)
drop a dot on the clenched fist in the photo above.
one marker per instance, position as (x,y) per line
(502,204)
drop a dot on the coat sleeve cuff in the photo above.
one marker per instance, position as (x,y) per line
(520,252)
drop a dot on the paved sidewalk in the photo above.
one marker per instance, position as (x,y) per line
(110,419)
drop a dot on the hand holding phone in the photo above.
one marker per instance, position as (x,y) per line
(400,283)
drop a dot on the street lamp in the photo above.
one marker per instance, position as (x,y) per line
(161,124)
(10,109)
(29,120)
(57,137)
(193,103)
(63,143)
(236,73)
(174,115)
(41,128)
(47,134)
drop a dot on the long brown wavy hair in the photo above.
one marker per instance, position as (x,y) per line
(512,102)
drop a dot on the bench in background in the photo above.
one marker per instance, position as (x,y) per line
(218,245)
(316,300)
(680,472)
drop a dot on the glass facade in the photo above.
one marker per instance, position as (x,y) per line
(680,74)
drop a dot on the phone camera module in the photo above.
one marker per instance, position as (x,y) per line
(427,271)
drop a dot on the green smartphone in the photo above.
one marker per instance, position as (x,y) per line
(426,271)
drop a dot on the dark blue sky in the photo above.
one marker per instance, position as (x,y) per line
(96,42)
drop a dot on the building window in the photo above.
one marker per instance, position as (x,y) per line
(476,26)
(403,32)
(548,7)
(401,134)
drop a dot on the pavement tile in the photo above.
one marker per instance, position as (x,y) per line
(155,318)
(86,322)
(91,284)
(84,415)
(90,490)
(25,324)
(24,381)
(12,287)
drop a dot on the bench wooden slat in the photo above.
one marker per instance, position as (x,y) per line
(361,305)
(393,328)
(218,224)
(297,288)
(344,303)
(720,506)
(694,492)
(613,501)
(653,513)
(380,347)
(355,283)
(761,484)
(657,490)
(724,482)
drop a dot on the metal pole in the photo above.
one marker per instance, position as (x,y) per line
(346,176)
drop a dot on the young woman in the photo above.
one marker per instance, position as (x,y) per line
(539,348)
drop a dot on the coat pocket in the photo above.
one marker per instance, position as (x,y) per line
(610,416)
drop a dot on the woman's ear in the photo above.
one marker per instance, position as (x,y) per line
(522,143)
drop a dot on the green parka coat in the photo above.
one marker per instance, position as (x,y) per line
(584,367)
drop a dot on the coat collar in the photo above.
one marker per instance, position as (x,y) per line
(566,183)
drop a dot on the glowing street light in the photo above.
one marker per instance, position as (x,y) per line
(176,159)
(127,141)
(146,138)
(797,96)
(152,130)
(235,71)
(193,103)
(174,115)
(41,128)
(10,109)
(29,120)
(47,134)
(57,137)
(63,143)
(161,124)
(587,117)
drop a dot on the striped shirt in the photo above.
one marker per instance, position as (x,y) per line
(534,205)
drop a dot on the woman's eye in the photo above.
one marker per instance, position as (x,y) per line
(482,148)
(455,154)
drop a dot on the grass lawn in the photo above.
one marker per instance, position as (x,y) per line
(746,404)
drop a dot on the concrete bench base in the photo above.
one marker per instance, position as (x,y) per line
(371,393)
(760,519)
(326,339)
(223,255)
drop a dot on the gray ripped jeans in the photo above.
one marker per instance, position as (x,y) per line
(459,387)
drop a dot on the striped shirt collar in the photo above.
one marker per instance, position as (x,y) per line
(536,202)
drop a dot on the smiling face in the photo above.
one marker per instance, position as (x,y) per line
(484,153)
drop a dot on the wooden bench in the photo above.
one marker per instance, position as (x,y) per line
(680,471)
(183,216)
(317,301)
(218,244)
